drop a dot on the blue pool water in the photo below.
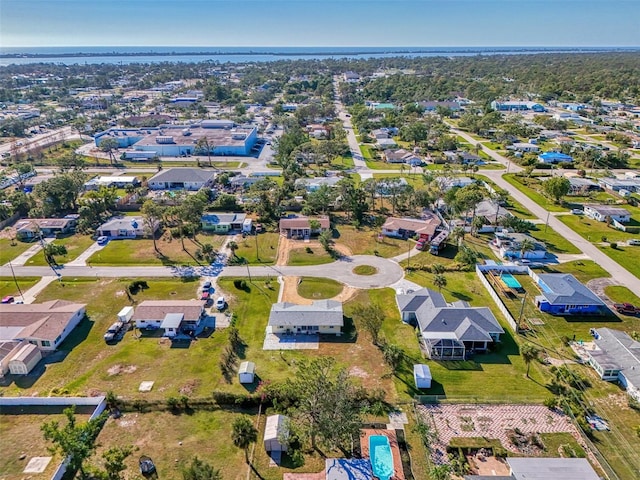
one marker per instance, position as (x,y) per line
(380,457)
(510,281)
(543,287)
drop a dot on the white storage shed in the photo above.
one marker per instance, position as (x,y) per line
(247,372)
(276,433)
(247,225)
(422,376)
(25,359)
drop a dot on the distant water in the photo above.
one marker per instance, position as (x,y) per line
(126,55)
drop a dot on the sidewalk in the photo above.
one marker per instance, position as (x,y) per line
(81,260)
(30,295)
(21,259)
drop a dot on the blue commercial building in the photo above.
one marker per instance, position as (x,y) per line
(510,106)
(223,137)
(563,294)
(555,157)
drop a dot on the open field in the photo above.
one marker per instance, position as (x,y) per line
(11,249)
(262,248)
(583,270)
(318,288)
(554,242)
(75,244)
(8,285)
(141,251)
(522,184)
(622,294)
(364,241)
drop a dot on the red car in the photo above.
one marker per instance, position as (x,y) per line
(420,245)
(205,296)
(626,308)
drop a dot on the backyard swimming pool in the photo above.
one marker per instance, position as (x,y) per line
(380,456)
(510,281)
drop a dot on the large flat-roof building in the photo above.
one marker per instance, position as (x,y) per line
(224,138)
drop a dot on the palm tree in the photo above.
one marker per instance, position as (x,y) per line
(529,353)
(527,245)
(244,434)
(233,246)
(457,234)
(440,281)
(438,268)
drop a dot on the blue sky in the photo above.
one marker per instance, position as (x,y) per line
(319,22)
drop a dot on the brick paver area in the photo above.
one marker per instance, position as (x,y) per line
(491,421)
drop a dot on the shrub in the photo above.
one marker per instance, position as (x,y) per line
(240,284)
(613,245)
(308,250)
(136,286)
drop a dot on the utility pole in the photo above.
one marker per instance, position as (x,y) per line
(546,224)
(15,280)
(522,309)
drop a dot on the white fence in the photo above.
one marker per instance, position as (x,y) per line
(480,269)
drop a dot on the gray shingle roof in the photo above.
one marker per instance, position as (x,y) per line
(617,350)
(319,313)
(565,289)
(551,469)
(438,319)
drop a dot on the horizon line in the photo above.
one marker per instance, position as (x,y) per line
(322,46)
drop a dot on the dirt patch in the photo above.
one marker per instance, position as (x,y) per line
(118,369)
(189,387)
(290,292)
(120,293)
(286,245)
(358,372)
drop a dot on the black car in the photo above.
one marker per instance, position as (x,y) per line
(113,332)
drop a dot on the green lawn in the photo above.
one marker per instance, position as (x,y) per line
(555,242)
(300,256)
(379,165)
(262,248)
(8,285)
(416,180)
(365,270)
(75,244)
(523,184)
(89,365)
(583,270)
(364,241)
(11,249)
(318,288)
(619,294)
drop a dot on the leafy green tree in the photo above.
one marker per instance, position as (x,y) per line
(233,246)
(152,214)
(244,434)
(114,461)
(59,194)
(371,317)
(108,145)
(440,472)
(392,355)
(51,250)
(74,441)
(466,256)
(556,188)
(529,353)
(203,145)
(199,470)
(440,281)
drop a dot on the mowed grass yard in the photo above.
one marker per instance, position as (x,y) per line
(364,241)
(87,365)
(75,245)
(316,256)
(318,288)
(10,249)
(141,251)
(262,248)
(8,285)
(173,440)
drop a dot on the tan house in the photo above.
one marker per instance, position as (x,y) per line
(322,316)
(300,227)
(424,228)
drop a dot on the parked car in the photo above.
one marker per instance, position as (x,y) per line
(633,241)
(220,303)
(205,295)
(102,240)
(206,286)
(577,211)
(626,308)
(420,245)
(113,331)
(8,299)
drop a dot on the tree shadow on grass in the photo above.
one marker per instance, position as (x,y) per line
(349,333)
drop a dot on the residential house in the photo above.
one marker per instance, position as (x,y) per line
(313,184)
(424,228)
(460,156)
(491,211)
(617,184)
(447,183)
(172,315)
(551,469)
(449,331)
(616,358)
(601,212)
(384,143)
(318,131)
(582,186)
(555,157)
(240,182)
(510,106)
(300,227)
(31,228)
(351,77)
(41,325)
(402,156)
(322,316)
(223,222)
(126,227)
(524,147)
(510,246)
(432,106)
(563,294)
(109,181)
(182,179)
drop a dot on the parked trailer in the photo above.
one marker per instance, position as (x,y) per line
(438,242)
(125,314)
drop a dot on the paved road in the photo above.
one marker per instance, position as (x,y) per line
(40,140)
(622,275)
(388,273)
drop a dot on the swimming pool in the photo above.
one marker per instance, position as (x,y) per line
(380,456)
(510,281)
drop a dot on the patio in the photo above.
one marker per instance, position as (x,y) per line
(274,341)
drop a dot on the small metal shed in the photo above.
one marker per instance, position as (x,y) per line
(25,359)
(422,376)
(276,433)
(247,372)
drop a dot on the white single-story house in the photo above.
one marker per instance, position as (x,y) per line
(219,222)
(616,358)
(447,183)
(313,184)
(172,315)
(402,156)
(322,316)
(182,179)
(550,469)
(247,372)
(601,212)
(32,228)
(112,181)
(276,433)
(422,376)
(524,147)
(125,227)
(510,246)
